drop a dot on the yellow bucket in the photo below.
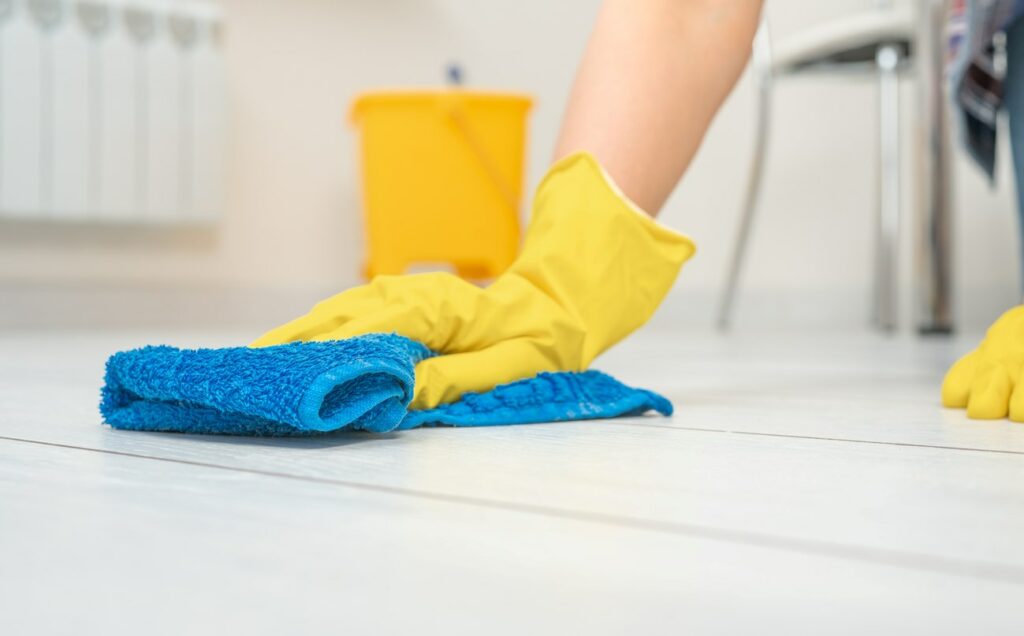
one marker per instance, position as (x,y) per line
(442,175)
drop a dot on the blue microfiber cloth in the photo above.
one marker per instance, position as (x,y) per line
(304,388)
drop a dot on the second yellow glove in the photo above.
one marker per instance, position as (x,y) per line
(987,381)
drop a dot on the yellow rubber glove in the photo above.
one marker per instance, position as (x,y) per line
(987,380)
(592,269)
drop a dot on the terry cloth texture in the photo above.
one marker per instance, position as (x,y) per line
(363,383)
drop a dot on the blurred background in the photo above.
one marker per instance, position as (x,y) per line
(229,191)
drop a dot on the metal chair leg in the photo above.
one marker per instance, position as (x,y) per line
(887,246)
(762,64)
(934,215)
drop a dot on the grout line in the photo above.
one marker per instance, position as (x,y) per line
(818,438)
(877,556)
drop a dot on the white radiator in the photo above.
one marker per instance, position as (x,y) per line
(111,111)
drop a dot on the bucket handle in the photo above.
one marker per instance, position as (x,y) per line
(458,117)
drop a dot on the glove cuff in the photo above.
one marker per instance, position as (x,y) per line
(597,253)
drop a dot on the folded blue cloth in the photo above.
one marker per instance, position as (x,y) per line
(363,383)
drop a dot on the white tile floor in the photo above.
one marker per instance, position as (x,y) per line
(806,485)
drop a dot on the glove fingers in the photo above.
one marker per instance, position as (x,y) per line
(990,393)
(324,318)
(439,310)
(420,306)
(288,332)
(445,378)
(307,327)
(956,387)
(408,321)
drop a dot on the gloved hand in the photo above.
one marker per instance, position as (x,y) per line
(592,269)
(988,380)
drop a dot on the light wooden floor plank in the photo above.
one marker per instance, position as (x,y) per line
(779,478)
(100,543)
(858,387)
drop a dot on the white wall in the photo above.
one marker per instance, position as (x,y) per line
(292,230)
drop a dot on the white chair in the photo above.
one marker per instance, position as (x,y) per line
(878,41)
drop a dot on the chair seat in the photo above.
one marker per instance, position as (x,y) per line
(846,41)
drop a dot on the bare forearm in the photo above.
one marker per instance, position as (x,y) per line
(654,74)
